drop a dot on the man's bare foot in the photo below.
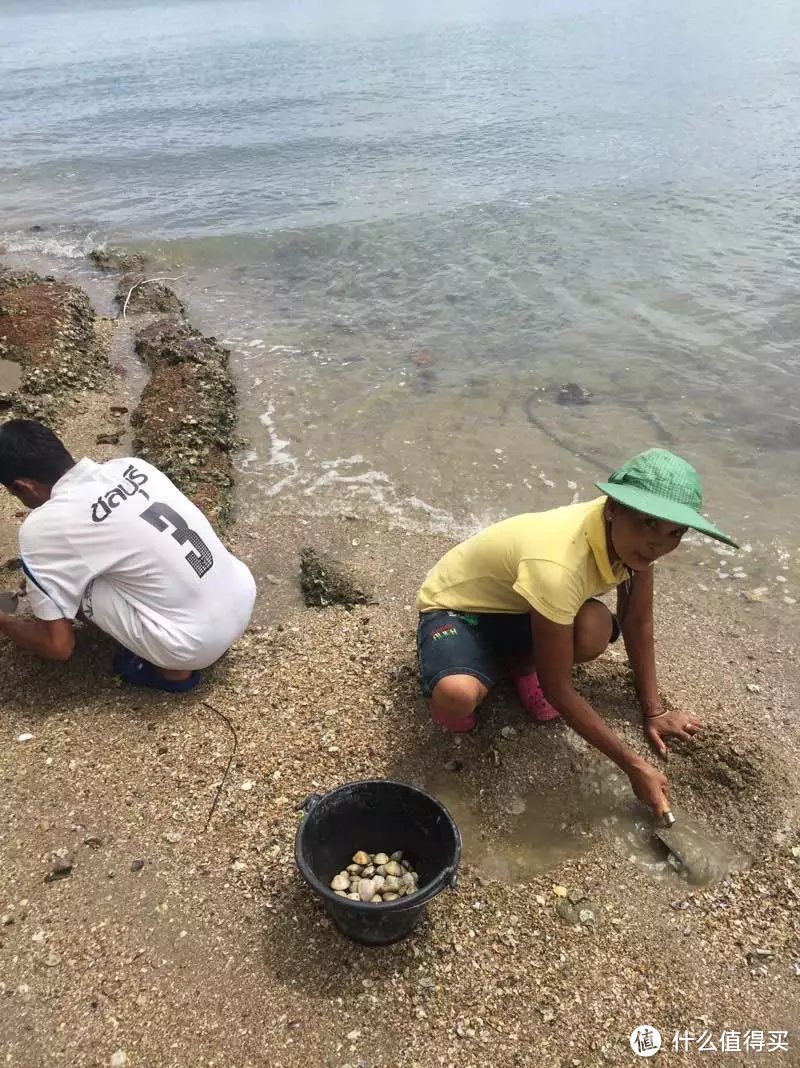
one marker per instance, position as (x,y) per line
(173,676)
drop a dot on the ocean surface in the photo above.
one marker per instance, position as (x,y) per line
(414,223)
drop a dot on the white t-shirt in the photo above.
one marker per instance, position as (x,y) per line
(125,528)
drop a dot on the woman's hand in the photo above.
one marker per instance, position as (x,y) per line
(671,723)
(650,786)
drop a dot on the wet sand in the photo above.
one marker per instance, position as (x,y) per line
(212,951)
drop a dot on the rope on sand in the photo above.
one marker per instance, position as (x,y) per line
(232,729)
(145,282)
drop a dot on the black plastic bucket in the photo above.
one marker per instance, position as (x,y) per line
(376,815)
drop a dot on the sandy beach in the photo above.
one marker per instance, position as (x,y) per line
(171,945)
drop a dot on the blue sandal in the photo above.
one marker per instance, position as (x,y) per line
(137,671)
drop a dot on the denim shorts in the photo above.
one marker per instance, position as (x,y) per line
(479,644)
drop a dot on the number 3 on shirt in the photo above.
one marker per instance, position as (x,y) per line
(161,516)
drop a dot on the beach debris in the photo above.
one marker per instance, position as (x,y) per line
(753,687)
(421,357)
(560,891)
(93,842)
(454,765)
(137,865)
(758,594)
(25,737)
(759,956)
(573,393)
(324,581)
(577,909)
(118,1059)
(60,868)
(373,878)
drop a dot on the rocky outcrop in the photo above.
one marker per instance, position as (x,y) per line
(50,329)
(185,419)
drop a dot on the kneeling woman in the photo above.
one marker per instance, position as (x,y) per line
(519,598)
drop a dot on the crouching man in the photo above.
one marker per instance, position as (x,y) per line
(119,545)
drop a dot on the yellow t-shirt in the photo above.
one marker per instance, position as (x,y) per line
(551,561)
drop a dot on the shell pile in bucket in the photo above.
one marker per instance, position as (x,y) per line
(376,877)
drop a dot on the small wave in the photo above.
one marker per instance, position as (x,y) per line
(279,455)
(59,247)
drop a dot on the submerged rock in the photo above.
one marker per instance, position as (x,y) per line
(572,393)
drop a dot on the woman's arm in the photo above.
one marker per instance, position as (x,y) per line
(554,651)
(635,615)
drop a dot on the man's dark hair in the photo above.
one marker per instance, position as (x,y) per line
(30,450)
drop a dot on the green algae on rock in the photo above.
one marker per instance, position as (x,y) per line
(325,581)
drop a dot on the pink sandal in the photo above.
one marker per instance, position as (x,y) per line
(534,703)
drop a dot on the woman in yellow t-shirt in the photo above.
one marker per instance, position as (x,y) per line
(522,595)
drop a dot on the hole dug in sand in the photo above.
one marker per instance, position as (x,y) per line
(528,798)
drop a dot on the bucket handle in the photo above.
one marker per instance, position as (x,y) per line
(309,803)
(449,878)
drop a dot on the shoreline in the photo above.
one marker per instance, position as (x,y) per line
(213,951)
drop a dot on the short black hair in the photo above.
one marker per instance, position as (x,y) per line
(29,450)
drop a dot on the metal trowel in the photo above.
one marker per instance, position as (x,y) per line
(8,603)
(699,858)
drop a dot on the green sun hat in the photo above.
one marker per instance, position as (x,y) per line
(661,484)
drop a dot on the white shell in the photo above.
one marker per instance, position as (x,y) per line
(366,890)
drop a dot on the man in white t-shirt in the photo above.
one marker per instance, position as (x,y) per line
(118,544)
